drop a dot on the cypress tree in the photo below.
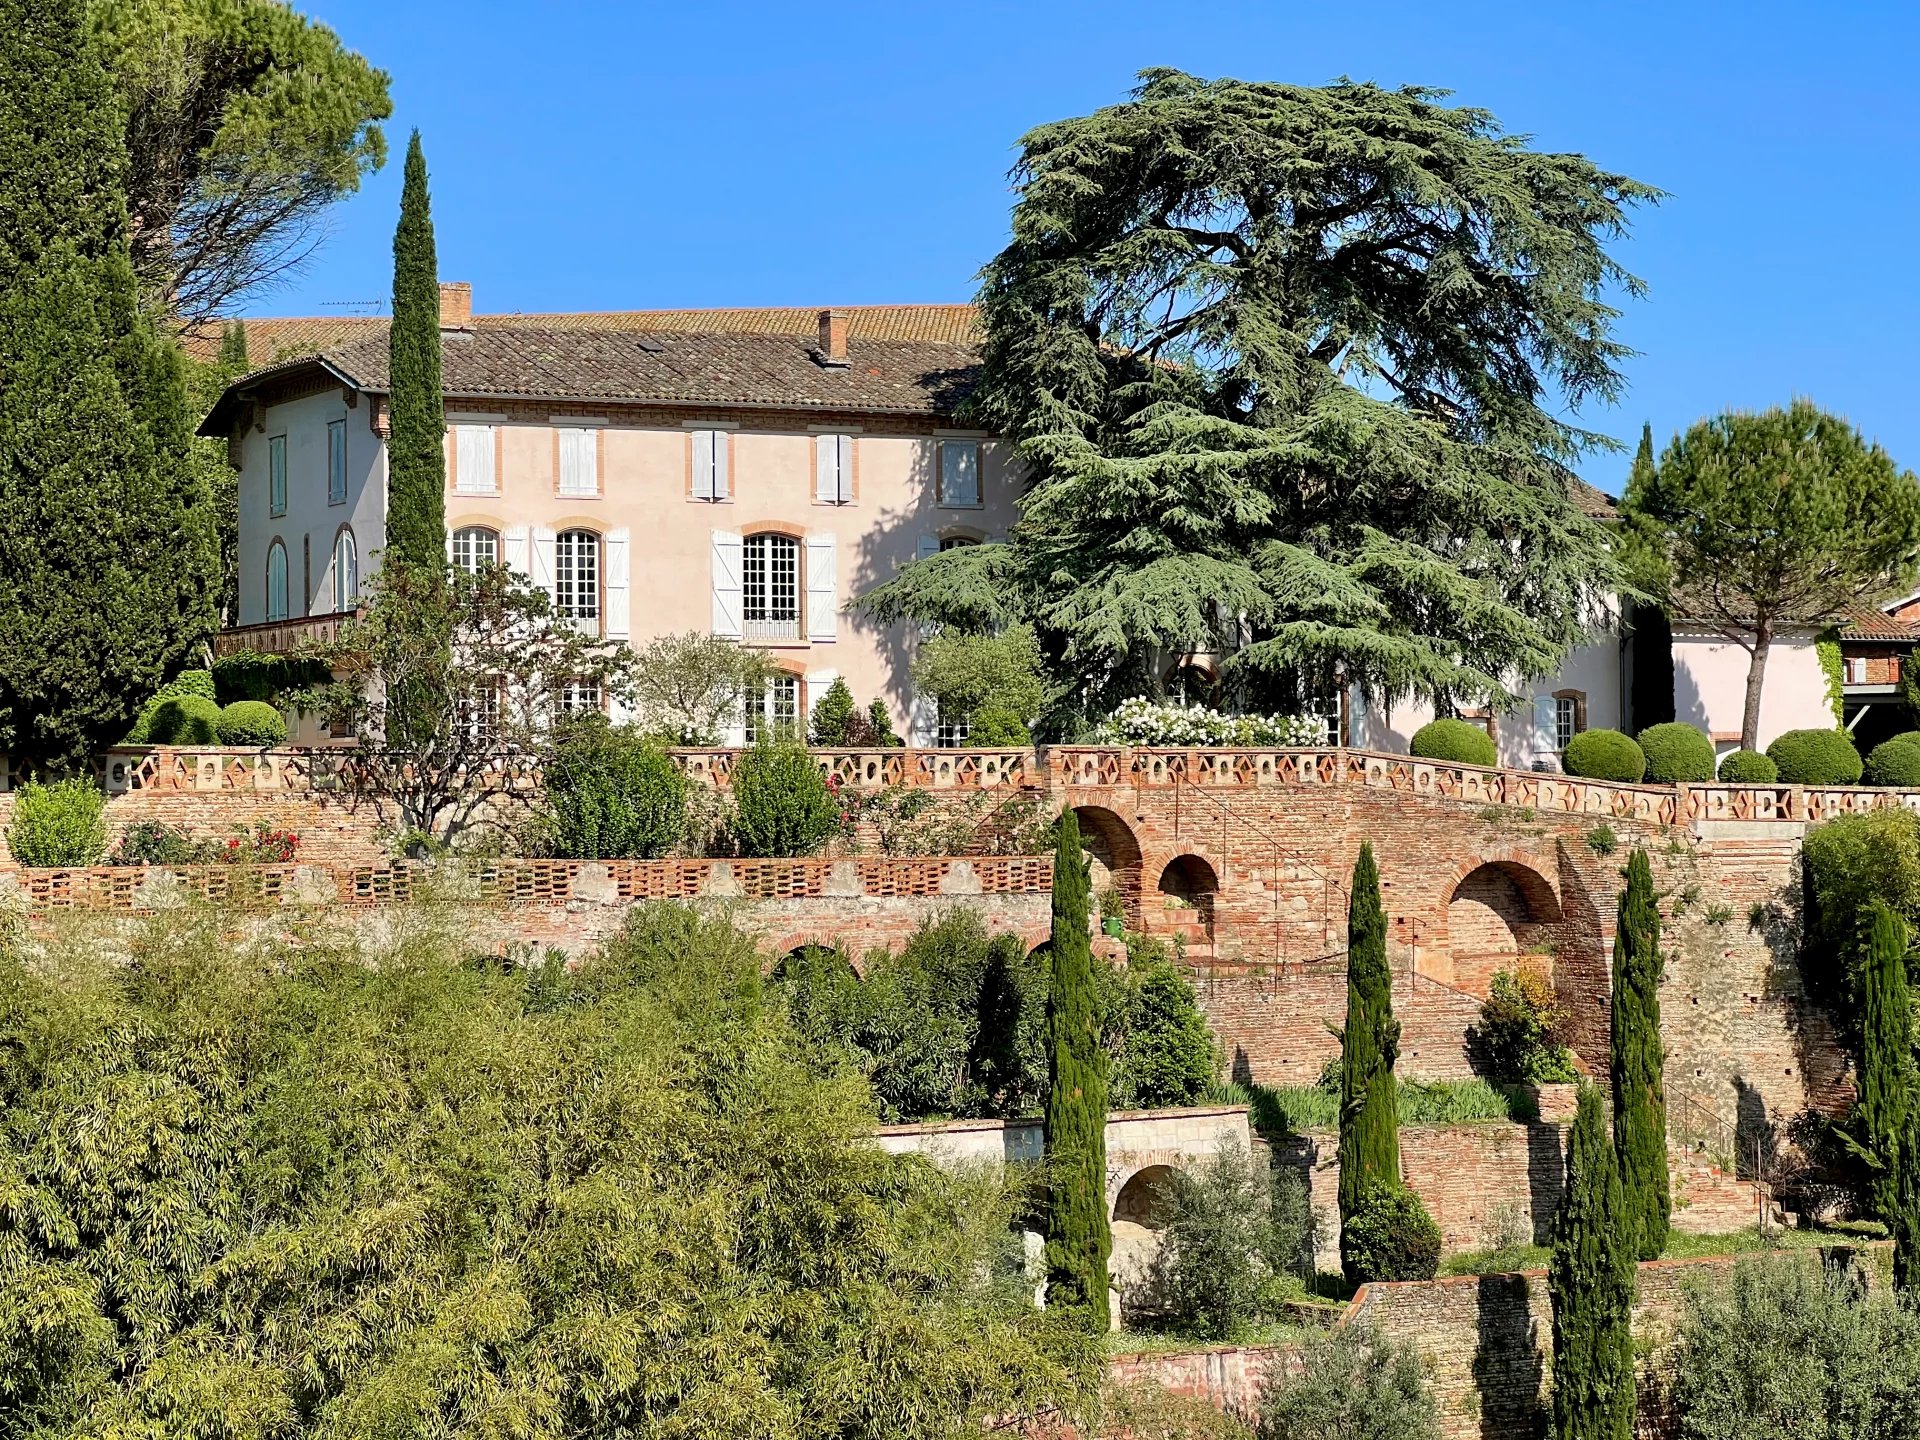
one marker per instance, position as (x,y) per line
(1591,1282)
(1886,1056)
(1639,1091)
(416,443)
(1079,1234)
(1369,1044)
(106,537)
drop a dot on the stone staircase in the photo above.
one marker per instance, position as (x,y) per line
(1708,1200)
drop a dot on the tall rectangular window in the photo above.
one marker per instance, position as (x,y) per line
(576,578)
(277,475)
(774,714)
(959,472)
(833,469)
(579,462)
(336,462)
(1566,721)
(473,469)
(710,464)
(770,587)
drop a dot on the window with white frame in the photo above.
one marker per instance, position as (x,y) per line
(959,472)
(957,542)
(346,574)
(709,464)
(770,587)
(276,581)
(336,462)
(475,547)
(579,697)
(775,713)
(473,468)
(482,708)
(1856,669)
(277,475)
(1566,720)
(576,578)
(833,469)
(579,462)
(952,730)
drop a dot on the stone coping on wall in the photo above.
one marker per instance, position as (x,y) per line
(1062,768)
(512,882)
(977,1125)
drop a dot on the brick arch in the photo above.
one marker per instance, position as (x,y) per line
(1498,910)
(1134,1200)
(1191,881)
(1117,857)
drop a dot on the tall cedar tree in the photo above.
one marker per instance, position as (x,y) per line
(1079,1236)
(416,448)
(1369,1044)
(1639,1091)
(1591,1281)
(106,533)
(1285,367)
(1651,644)
(1886,1056)
(1782,518)
(1905,1221)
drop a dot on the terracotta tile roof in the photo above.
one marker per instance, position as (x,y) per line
(1865,623)
(273,339)
(1593,503)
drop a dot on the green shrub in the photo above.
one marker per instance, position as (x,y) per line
(184,720)
(1816,757)
(1517,1039)
(1604,755)
(1352,1382)
(188,682)
(612,795)
(1748,767)
(253,676)
(1232,1237)
(997,727)
(1457,741)
(1676,751)
(781,804)
(1391,1236)
(149,842)
(1850,862)
(1167,1056)
(252,722)
(1895,762)
(62,824)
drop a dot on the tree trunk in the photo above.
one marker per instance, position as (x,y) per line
(1756,681)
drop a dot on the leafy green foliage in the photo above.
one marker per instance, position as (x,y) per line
(187,682)
(1787,1349)
(1296,1109)
(416,442)
(244,122)
(1826,649)
(1233,1235)
(995,727)
(63,823)
(828,725)
(106,541)
(1894,762)
(1886,1071)
(880,723)
(1280,356)
(1352,1382)
(1459,741)
(1389,1236)
(1591,1283)
(1169,1057)
(1638,1058)
(689,687)
(611,795)
(1517,1039)
(251,722)
(1763,520)
(1369,1044)
(1904,1223)
(1748,767)
(781,803)
(249,675)
(967,675)
(1676,751)
(1079,1236)
(184,720)
(1852,863)
(405,1189)
(1815,757)
(1604,755)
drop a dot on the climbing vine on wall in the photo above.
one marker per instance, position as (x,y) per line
(1827,647)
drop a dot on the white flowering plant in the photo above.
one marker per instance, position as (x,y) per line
(1139,721)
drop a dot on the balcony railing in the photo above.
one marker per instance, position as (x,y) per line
(762,632)
(279,637)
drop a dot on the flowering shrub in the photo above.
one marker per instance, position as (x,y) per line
(1140,721)
(148,842)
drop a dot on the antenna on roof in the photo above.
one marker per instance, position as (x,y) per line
(358,307)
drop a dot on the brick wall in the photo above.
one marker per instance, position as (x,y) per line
(1272,1026)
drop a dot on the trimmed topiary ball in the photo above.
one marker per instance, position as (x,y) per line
(1895,763)
(252,722)
(185,720)
(1391,1236)
(1816,757)
(1676,751)
(1457,741)
(1748,767)
(1604,755)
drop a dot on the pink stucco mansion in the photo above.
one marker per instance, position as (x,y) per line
(746,472)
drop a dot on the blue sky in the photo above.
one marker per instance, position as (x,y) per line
(616,156)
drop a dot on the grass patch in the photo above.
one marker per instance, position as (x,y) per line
(1296,1109)
(1153,1342)
(1679,1247)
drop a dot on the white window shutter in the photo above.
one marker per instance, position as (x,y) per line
(1546,712)
(728,568)
(703,464)
(473,460)
(579,462)
(615,547)
(515,551)
(543,558)
(823,586)
(929,545)
(923,722)
(844,444)
(818,683)
(826,468)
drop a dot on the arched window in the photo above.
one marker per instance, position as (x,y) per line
(276,581)
(475,548)
(576,578)
(957,542)
(770,587)
(346,573)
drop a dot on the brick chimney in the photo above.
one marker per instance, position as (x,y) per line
(456,305)
(833,337)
